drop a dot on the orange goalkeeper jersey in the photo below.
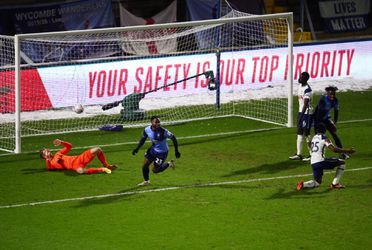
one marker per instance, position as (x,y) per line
(60,160)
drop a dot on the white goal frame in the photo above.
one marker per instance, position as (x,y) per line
(18,39)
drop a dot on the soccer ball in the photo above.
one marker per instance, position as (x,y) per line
(78,109)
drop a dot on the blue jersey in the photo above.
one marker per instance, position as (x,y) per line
(324,108)
(158,138)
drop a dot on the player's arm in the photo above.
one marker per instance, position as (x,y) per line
(53,164)
(66,146)
(338,150)
(140,143)
(175,144)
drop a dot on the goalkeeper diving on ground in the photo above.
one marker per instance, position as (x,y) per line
(77,163)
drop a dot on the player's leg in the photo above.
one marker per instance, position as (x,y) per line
(310,184)
(82,170)
(337,139)
(298,155)
(83,160)
(149,158)
(159,163)
(146,169)
(317,178)
(331,127)
(307,130)
(340,168)
(97,151)
(336,181)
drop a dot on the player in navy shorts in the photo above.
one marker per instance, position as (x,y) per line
(158,151)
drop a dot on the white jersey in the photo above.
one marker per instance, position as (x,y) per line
(305,92)
(318,145)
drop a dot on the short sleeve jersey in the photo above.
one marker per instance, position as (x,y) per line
(158,138)
(318,145)
(305,92)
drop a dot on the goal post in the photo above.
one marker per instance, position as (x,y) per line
(150,70)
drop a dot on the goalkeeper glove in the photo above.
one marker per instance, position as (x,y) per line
(178,154)
(135,151)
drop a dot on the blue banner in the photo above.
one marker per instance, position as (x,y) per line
(83,14)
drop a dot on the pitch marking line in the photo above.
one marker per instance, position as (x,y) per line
(178,138)
(192,137)
(171,188)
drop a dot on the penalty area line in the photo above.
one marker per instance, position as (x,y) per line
(249,131)
(171,188)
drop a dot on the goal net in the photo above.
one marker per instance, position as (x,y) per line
(233,66)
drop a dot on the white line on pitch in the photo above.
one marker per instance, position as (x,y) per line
(358,120)
(178,138)
(194,136)
(170,188)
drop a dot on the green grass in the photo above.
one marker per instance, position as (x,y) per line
(256,213)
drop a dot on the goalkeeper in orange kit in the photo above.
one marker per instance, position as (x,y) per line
(77,163)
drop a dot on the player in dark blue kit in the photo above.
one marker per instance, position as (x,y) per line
(323,114)
(158,151)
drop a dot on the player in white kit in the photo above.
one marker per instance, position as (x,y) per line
(319,162)
(304,116)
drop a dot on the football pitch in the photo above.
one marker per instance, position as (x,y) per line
(233,188)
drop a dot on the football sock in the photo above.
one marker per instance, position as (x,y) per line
(145,172)
(310,184)
(93,170)
(102,158)
(339,172)
(299,144)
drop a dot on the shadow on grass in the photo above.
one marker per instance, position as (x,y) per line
(70,173)
(33,170)
(130,193)
(271,168)
(303,194)
(281,194)
(363,186)
(112,198)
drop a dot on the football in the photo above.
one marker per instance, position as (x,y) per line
(78,109)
